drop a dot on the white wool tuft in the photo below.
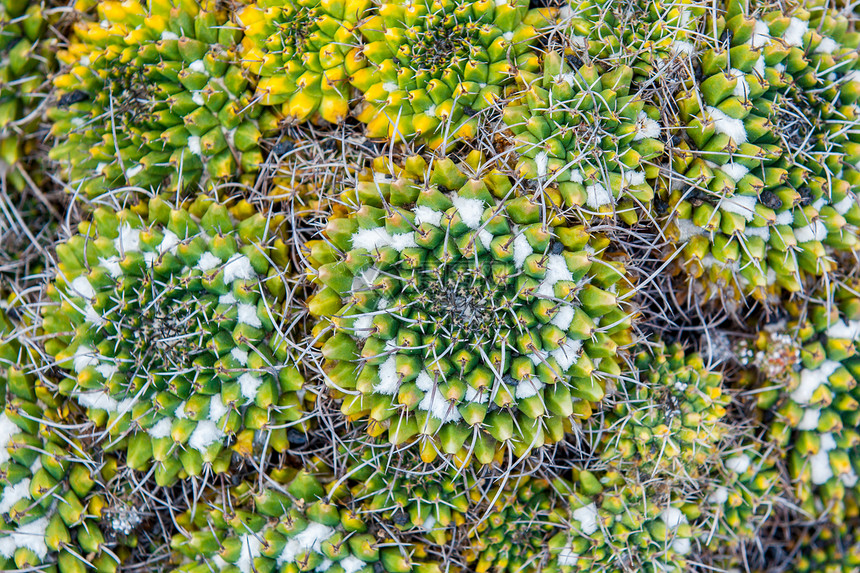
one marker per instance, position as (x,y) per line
(197,98)
(598,196)
(238,267)
(726,125)
(439,407)
(687,230)
(217,408)
(645,127)
(168,35)
(563,317)
(556,270)
(810,380)
(673,517)
(424,382)
(475,396)
(82,287)
(424,214)
(634,177)
(537,357)
(485,237)
(742,88)
(13,494)
(845,205)
(682,545)
(250,551)
(761,36)
(352,564)
(682,47)
(227,299)
(470,210)
(389,381)
(7,429)
(815,231)
(371,239)
(240,355)
(720,495)
(30,536)
(819,203)
(522,249)
(849,331)
(819,463)
(827,46)
(390,86)
(132,171)
(208,262)
(576,176)
(402,241)
(313,536)
(735,170)
(762,232)
(248,315)
(567,354)
(198,66)
(743,205)
(111,264)
(194,145)
(107,370)
(793,35)
(541,162)
(528,388)
(739,464)
(587,517)
(97,400)
(161,429)
(567,558)
(810,419)
(852,76)
(204,435)
(168,242)
(84,356)
(759,67)
(362,326)
(180,412)
(249,385)
(784,218)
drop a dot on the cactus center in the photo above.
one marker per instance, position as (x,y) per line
(437,47)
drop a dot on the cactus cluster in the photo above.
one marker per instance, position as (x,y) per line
(165,321)
(429,286)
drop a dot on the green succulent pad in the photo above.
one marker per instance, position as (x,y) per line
(397,487)
(455,314)
(616,525)
(303,54)
(669,421)
(815,410)
(289,525)
(28,56)
(513,525)
(49,502)
(650,38)
(164,319)
(585,130)
(431,65)
(155,98)
(765,170)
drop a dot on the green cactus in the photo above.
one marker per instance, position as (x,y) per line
(396,486)
(830,549)
(153,97)
(760,189)
(815,401)
(303,54)
(669,421)
(165,320)
(290,525)
(430,66)
(616,525)
(454,313)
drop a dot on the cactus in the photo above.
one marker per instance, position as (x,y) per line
(292,523)
(455,316)
(152,98)
(759,195)
(814,400)
(165,321)
(302,54)
(430,499)
(668,422)
(431,65)
(831,549)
